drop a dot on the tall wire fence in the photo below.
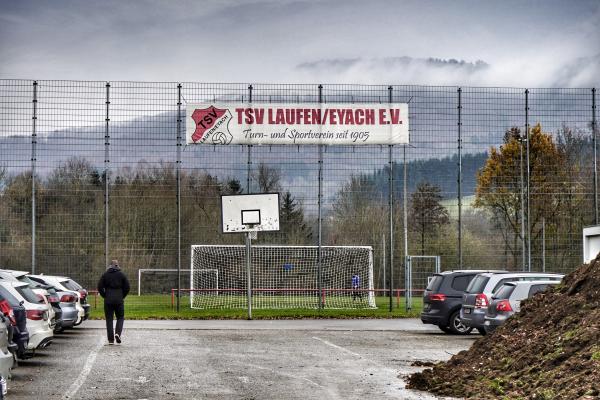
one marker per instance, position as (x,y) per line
(498,178)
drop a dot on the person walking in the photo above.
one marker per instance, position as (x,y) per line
(113,286)
(356,287)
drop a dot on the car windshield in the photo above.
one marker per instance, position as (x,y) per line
(28,294)
(12,300)
(71,284)
(504,292)
(435,283)
(478,284)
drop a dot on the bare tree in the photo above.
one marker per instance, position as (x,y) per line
(268,178)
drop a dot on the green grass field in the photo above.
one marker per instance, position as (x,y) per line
(159,307)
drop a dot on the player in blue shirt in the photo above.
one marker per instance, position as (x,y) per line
(356,287)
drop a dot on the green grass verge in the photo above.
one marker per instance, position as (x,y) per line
(159,307)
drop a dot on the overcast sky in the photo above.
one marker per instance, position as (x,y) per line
(501,43)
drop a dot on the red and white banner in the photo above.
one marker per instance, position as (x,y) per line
(308,123)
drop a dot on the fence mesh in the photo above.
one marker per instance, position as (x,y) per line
(495,177)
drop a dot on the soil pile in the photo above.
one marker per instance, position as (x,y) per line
(550,350)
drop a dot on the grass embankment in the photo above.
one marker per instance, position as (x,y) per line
(159,307)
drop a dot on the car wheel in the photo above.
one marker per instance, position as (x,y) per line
(482,331)
(456,326)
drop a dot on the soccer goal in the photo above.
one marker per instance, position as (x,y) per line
(160,280)
(282,276)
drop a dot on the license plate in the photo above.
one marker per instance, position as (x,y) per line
(467,310)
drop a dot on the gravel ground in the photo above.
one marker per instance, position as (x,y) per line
(306,359)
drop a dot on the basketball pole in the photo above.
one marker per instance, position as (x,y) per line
(248,282)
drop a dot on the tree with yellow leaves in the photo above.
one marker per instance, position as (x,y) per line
(499,184)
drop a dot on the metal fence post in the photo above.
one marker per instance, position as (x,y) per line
(320,216)
(178,171)
(594,141)
(405,211)
(106,171)
(33,162)
(522,195)
(249,164)
(528,179)
(391,210)
(460,256)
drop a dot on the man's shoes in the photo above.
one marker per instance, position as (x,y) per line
(109,342)
(118,338)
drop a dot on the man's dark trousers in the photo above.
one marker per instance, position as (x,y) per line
(118,309)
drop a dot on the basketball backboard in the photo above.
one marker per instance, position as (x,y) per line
(591,243)
(250,212)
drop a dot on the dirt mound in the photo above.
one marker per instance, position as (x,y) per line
(550,350)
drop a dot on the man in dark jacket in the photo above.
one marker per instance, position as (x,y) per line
(114,287)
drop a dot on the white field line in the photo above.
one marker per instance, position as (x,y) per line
(85,371)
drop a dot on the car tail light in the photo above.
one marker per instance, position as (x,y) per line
(8,311)
(35,315)
(503,305)
(437,297)
(481,301)
(67,298)
(53,299)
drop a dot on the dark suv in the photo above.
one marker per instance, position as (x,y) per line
(443,298)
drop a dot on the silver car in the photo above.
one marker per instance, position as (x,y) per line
(507,300)
(477,297)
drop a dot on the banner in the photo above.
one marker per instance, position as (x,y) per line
(296,124)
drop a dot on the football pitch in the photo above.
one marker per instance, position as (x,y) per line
(164,306)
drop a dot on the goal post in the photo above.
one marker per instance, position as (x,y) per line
(282,277)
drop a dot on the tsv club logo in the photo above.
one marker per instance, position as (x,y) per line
(212,125)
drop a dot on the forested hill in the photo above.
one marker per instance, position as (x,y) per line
(441,172)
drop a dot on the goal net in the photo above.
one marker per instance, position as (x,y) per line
(160,280)
(282,277)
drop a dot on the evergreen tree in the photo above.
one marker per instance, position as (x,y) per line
(426,212)
(293,228)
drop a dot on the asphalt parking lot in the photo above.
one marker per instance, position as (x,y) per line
(300,359)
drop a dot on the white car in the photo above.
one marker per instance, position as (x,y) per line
(11,276)
(65,284)
(40,333)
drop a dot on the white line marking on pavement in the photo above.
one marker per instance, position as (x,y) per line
(283,374)
(345,350)
(337,347)
(85,371)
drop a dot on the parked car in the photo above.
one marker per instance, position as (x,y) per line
(20,332)
(68,302)
(46,294)
(507,300)
(68,284)
(6,357)
(10,322)
(443,297)
(40,333)
(477,296)
(48,291)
